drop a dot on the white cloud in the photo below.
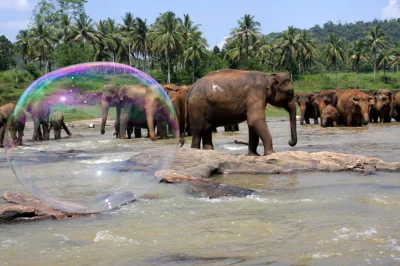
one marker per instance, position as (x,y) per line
(14,24)
(20,5)
(391,10)
(222,42)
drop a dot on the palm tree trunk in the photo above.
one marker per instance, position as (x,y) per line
(169,73)
(145,62)
(374,65)
(299,68)
(247,50)
(129,55)
(336,76)
(193,72)
(384,73)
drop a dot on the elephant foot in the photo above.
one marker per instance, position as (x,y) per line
(208,147)
(269,152)
(253,154)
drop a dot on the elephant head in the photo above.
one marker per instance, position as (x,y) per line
(329,116)
(109,98)
(304,100)
(382,100)
(362,103)
(325,98)
(280,93)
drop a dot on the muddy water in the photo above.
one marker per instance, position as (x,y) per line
(301,219)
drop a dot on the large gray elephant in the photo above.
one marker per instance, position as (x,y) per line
(229,97)
(57,123)
(15,121)
(110,99)
(40,112)
(384,105)
(144,106)
(308,107)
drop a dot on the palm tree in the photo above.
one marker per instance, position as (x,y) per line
(376,40)
(187,28)
(395,52)
(140,40)
(104,42)
(22,44)
(65,30)
(127,30)
(196,50)
(235,50)
(334,52)
(307,49)
(248,30)
(356,54)
(384,59)
(288,44)
(85,31)
(113,36)
(166,38)
(43,40)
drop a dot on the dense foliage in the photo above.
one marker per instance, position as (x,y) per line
(173,48)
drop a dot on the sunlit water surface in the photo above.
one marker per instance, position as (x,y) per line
(301,219)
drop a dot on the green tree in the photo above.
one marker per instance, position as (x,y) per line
(307,50)
(334,52)
(6,53)
(235,50)
(85,31)
(375,40)
(248,30)
(288,46)
(196,50)
(395,52)
(141,41)
(44,38)
(22,44)
(356,53)
(65,29)
(385,58)
(166,37)
(128,29)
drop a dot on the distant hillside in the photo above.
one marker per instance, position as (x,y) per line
(353,31)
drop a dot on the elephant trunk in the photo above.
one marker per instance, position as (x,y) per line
(292,115)
(324,121)
(303,108)
(104,107)
(365,114)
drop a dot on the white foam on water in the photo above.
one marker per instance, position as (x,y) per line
(111,158)
(345,233)
(8,242)
(236,147)
(255,198)
(64,237)
(105,235)
(324,255)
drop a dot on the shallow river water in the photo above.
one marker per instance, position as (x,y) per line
(300,219)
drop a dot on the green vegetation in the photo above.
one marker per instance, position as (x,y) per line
(362,55)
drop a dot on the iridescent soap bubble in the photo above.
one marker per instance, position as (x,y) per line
(97,167)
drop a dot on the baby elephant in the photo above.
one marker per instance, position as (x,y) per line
(57,122)
(329,116)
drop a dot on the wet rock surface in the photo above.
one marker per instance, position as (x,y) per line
(193,167)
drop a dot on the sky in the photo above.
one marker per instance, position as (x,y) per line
(218,17)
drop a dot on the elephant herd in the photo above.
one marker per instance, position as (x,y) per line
(349,108)
(42,120)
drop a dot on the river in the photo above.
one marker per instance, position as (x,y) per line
(299,219)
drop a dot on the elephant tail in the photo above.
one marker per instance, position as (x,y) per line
(182,139)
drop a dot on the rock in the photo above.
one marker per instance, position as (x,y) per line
(28,207)
(91,125)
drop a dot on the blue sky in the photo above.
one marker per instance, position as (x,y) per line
(218,17)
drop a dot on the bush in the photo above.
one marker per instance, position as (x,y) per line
(31,68)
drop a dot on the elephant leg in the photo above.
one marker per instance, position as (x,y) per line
(236,127)
(138,132)
(39,132)
(196,137)
(36,128)
(315,120)
(214,129)
(123,122)
(334,124)
(20,135)
(64,126)
(46,131)
(349,121)
(207,139)
(253,142)
(162,129)
(259,125)
(2,132)
(307,120)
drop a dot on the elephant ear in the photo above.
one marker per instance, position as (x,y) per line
(273,82)
(335,99)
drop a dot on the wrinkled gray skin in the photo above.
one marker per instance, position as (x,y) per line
(110,99)
(15,122)
(40,112)
(329,116)
(308,107)
(383,106)
(229,97)
(57,123)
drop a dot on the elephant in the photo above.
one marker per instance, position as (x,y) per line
(16,123)
(327,97)
(143,105)
(177,95)
(40,112)
(353,107)
(308,107)
(232,128)
(384,105)
(57,123)
(397,98)
(329,116)
(230,96)
(109,99)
